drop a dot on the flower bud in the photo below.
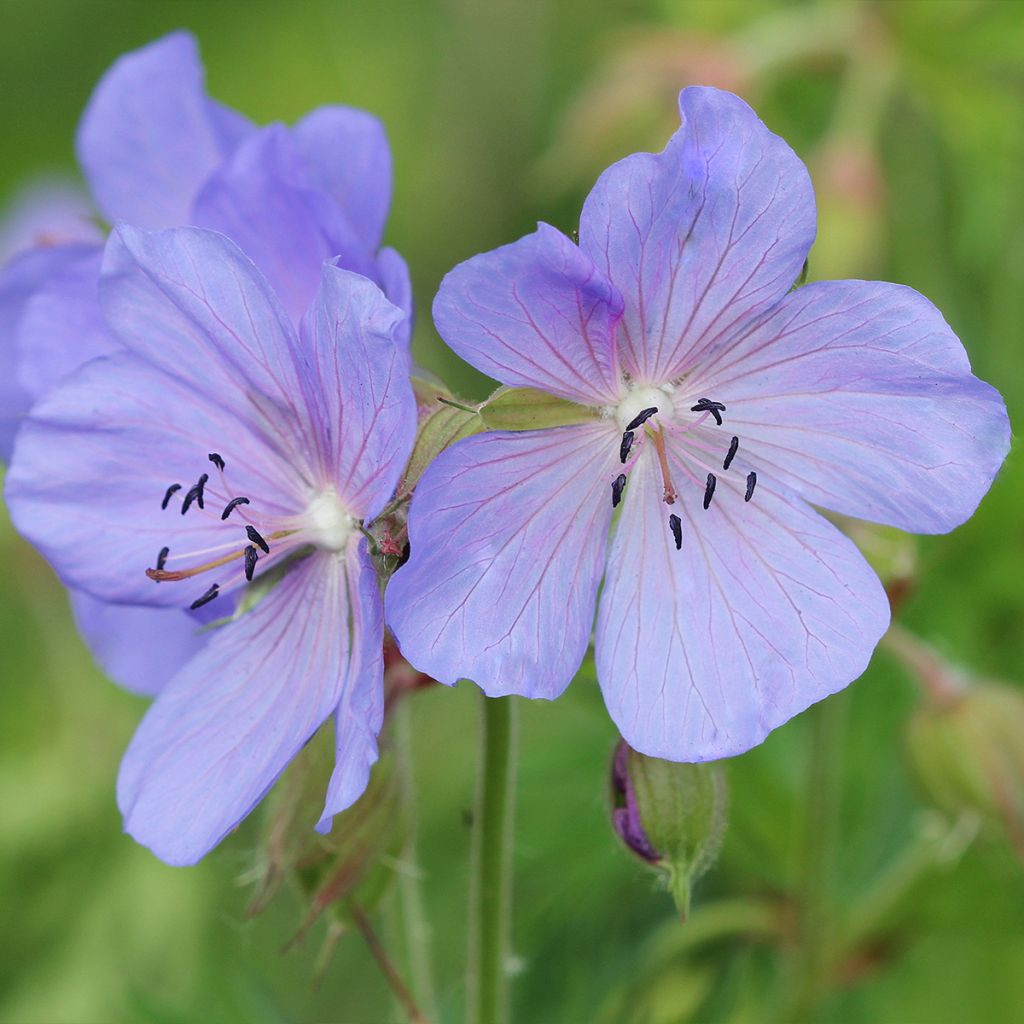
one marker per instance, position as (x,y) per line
(671,815)
(967,752)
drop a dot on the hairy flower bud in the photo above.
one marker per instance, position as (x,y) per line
(968,755)
(671,815)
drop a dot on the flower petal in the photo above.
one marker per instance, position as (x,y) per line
(225,727)
(50,211)
(139,648)
(508,535)
(347,155)
(359,400)
(20,279)
(62,325)
(92,464)
(263,200)
(393,274)
(766,609)
(191,304)
(360,713)
(702,237)
(536,313)
(150,137)
(859,397)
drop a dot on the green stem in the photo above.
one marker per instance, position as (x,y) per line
(817,885)
(491,875)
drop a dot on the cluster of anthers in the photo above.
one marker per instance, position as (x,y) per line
(654,431)
(249,553)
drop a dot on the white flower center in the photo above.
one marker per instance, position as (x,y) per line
(639,399)
(327,524)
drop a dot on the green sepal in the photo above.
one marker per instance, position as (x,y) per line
(683,810)
(440,428)
(530,409)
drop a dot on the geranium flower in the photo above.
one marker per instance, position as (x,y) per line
(158,152)
(222,446)
(714,407)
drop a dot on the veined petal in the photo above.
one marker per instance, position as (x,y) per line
(149,138)
(263,200)
(393,274)
(62,325)
(139,648)
(859,397)
(94,460)
(20,279)
(536,313)
(359,400)
(702,237)
(223,730)
(508,535)
(347,155)
(191,304)
(360,712)
(767,608)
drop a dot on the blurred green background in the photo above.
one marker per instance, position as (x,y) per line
(500,114)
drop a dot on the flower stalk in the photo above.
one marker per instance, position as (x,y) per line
(491,874)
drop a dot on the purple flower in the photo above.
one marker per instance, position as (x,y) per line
(158,152)
(219,446)
(715,407)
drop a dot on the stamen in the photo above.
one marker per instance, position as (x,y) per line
(658,439)
(232,505)
(216,460)
(676,525)
(195,494)
(709,489)
(254,536)
(250,562)
(167,495)
(706,405)
(751,484)
(162,575)
(161,559)
(733,446)
(641,417)
(617,484)
(206,598)
(627,443)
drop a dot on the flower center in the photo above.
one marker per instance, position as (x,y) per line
(329,526)
(639,401)
(251,535)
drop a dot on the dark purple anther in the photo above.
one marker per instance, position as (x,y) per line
(232,505)
(731,454)
(250,562)
(167,496)
(206,598)
(195,494)
(751,484)
(709,489)
(676,525)
(161,559)
(216,460)
(706,405)
(617,484)
(254,536)
(641,417)
(627,443)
